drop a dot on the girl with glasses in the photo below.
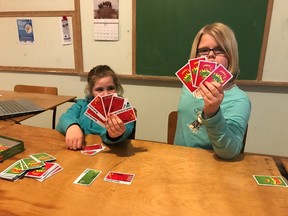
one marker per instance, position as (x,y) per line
(215,117)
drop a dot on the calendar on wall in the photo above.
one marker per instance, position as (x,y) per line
(106,20)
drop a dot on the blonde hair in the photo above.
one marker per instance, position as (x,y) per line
(225,37)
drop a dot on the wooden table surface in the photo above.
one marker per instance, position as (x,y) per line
(169,180)
(46,101)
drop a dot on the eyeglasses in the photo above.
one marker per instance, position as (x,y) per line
(205,51)
(108,88)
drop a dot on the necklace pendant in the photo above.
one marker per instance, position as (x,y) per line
(195,125)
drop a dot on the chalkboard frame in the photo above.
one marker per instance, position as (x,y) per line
(257,80)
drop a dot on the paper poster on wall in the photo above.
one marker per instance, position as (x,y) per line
(106,20)
(65,31)
(25,31)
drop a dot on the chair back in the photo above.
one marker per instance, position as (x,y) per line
(172,123)
(41,90)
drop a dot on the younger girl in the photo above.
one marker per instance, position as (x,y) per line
(74,124)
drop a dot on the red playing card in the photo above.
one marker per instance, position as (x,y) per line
(93,147)
(184,76)
(91,114)
(97,105)
(39,173)
(193,66)
(107,101)
(118,177)
(204,69)
(127,115)
(220,75)
(117,103)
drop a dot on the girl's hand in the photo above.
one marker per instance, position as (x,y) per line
(213,94)
(115,126)
(74,137)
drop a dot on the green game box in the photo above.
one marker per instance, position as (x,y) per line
(9,147)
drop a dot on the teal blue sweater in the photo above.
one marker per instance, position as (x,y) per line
(75,115)
(222,133)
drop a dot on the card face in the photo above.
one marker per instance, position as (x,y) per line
(106,99)
(193,66)
(30,163)
(43,156)
(117,103)
(14,169)
(87,177)
(204,69)
(118,177)
(91,114)
(270,180)
(220,75)
(127,115)
(97,106)
(39,173)
(92,149)
(184,76)
(13,172)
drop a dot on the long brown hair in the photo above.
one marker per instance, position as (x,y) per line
(99,72)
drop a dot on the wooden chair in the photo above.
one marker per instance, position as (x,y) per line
(42,90)
(132,135)
(172,123)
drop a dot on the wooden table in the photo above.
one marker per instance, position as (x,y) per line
(46,101)
(169,180)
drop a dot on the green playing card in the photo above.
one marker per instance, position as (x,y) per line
(87,177)
(270,180)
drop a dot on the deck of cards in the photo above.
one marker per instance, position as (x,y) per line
(36,166)
(200,70)
(102,106)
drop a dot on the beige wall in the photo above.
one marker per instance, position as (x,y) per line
(154,100)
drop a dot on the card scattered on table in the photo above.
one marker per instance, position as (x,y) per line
(93,149)
(87,177)
(13,172)
(102,106)
(270,180)
(43,156)
(30,164)
(199,70)
(118,177)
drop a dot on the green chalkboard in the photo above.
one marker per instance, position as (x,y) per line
(165,30)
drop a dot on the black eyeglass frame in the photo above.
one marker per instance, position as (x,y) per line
(218,51)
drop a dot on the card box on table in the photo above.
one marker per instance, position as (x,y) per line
(9,147)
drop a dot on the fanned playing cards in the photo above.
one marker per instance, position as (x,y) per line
(199,70)
(102,106)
